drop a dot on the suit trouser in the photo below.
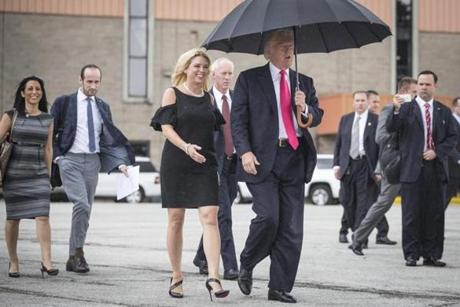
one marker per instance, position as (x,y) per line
(376,212)
(423,214)
(277,229)
(382,226)
(227,193)
(358,192)
(452,189)
(79,174)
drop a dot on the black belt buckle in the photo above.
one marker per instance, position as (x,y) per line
(360,157)
(283,142)
(229,157)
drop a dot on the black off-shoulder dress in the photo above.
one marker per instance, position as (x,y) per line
(184,182)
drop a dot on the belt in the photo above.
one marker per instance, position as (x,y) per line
(282,143)
(230,157)
(29,144)
(360,157)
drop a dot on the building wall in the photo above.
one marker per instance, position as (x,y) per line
(55,48)
(440,52)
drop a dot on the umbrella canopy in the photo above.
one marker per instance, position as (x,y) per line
(319,25)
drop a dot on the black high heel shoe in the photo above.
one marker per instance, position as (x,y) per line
(218,294)
(51,272)
(174,286)
(12,274)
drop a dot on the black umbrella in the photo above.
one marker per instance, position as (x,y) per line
(318,25)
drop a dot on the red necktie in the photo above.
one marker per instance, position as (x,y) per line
(228,141)
(286,111)
(429,136)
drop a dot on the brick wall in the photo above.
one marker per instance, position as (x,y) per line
(440,52)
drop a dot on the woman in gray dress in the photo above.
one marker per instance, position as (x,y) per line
(26,187)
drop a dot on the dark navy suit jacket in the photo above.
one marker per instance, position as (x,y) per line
(254,120)
(114,147)
(409,124)
(343,142)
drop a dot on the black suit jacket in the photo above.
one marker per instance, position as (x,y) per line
(219,142)
(254,120)
(343,142)
(454,157)
(409,124)
(114,147)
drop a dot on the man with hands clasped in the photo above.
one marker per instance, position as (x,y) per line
(427,134)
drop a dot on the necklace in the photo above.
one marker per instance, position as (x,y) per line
(192,93)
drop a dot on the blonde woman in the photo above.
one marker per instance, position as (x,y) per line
(188,119)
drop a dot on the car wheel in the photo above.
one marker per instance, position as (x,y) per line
(320,194)
(136,197)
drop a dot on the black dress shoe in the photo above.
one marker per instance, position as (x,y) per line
(231,274)
(431,261)
(280,296)
(245,281)
(385,240)
(343,238)
(77,265)
(202,265)
(411,261)
(356,249)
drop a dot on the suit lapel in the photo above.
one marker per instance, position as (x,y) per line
(436,119)
(368,126)
(293,84)
(418,113)
(73,109)
(266,81)
(348,126)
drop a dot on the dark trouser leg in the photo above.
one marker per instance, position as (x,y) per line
(432,215)
(452,190)
(411,217)
(227,194)
(263,228)
(388,193)
(344,223)
(383,228)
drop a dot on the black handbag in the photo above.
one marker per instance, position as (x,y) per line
(55,179)
(6,148)
(390,159)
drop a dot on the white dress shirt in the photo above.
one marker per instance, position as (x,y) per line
(457,117)
(218,98)
(362,127)
(276,76)
(81,142)
(421,104)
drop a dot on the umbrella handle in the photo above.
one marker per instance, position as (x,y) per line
(299,119)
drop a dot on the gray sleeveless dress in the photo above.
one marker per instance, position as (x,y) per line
(27,187)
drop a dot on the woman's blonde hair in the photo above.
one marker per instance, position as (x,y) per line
(179,76)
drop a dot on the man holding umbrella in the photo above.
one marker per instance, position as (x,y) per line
(277,157)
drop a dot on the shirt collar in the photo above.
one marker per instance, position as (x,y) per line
(362,115)
(218,95)
(275,72)
(457,117)
(422,102)
(82,97)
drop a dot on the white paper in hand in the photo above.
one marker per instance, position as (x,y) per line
(128,185)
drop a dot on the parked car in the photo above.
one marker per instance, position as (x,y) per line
(149,184)
(321,190)
(324,187)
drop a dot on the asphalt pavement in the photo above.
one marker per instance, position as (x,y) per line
(126,250)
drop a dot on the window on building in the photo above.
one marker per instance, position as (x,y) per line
(404,38)
(137,50)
